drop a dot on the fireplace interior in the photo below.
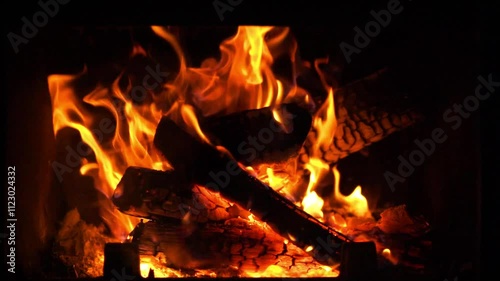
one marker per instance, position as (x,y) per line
(247,151)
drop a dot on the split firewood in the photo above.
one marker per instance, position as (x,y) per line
(159,195)
(256,136)
(367,111)
(201,230)
(234,244)
(218,171)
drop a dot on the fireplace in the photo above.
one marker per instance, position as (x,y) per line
(247,151)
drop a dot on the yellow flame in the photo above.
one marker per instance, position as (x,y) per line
(274,180)
(189,118)
(148,263)
(313,204)
(355,202)
(338,220)
(324,123)
(281,272)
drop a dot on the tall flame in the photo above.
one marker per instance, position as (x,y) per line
(117,143)
(324,124)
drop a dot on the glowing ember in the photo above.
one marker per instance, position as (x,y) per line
(388,255)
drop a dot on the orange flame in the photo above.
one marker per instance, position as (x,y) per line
(324,124)
(116,147)
(355,203)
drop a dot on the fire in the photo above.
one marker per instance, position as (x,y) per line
(355,203)
(128,140)
(325,124)
(241,79)
(312,203)
(278,271)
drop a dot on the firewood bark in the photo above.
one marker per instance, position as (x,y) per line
(357,131)
(219,172)
(233,244)
(161,195)
(201,229)
(367,111)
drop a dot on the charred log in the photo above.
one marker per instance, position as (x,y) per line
(367,111)
(235,243)
(162,195)
(255,136)
(357,131)
(220,172)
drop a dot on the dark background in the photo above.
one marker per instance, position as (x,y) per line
(438,49)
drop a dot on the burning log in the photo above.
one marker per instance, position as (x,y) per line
(219,172)
(223,246)
(367,111)
(194,228)
(255,136)
(162,195)
(357,132)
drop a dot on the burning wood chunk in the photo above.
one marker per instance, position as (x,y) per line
(397,220)
(155,194)
(367,111)
(236,247)
(219,172)
(266,135)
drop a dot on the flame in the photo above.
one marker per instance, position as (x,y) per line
(150,263)
(242,79)
(274,180)
(189,117)
(355,203)
(324,126)
(120,141)
(324,123)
